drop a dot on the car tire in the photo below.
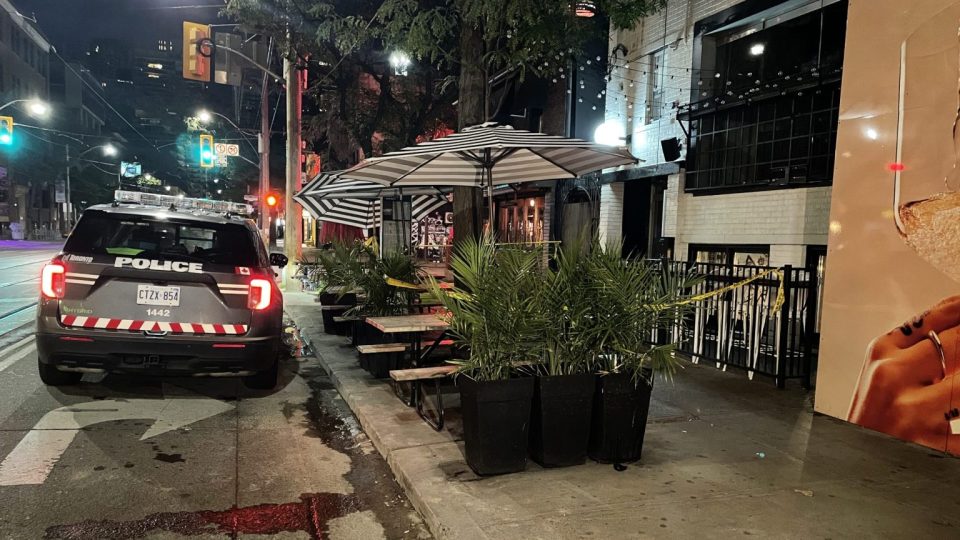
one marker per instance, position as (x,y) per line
(264,380)
(51,376)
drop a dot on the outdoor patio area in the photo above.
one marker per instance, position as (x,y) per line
(723,457)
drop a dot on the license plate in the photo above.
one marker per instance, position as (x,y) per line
(153,295)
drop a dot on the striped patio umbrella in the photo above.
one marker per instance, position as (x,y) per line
(357,209)
(488,155)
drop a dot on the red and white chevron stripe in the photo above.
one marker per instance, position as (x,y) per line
(132,325)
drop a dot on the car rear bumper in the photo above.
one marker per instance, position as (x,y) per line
(98,351)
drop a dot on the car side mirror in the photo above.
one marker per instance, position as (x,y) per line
(278,259)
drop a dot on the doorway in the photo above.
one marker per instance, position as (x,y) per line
(642,216)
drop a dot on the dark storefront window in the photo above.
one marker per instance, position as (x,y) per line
(766,116)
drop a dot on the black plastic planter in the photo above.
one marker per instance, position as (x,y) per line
(365,334)
(560,424)
(496,423)
(379,365)
(620,410)
(329,326)
(334,299)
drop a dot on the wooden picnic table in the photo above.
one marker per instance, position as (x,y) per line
(405,324)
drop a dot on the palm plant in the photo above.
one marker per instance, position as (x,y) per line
(635,298)
(567,307)
(380,298)
(493,310)
(341,267)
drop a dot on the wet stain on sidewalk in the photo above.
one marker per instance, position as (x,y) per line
(311,515)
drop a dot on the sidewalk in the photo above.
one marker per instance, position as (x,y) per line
(723,457)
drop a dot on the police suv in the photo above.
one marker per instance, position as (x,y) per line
(161,285)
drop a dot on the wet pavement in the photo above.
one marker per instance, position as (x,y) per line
(121,457)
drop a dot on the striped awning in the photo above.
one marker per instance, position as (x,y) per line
(355,211)
(489,154)
(332,185)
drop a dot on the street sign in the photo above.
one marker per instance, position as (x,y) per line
(130,169)
(251,198)
(148,181)
(229,150)
(222,160)
(196,59)
(60,192)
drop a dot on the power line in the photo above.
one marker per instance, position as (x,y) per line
(96,92)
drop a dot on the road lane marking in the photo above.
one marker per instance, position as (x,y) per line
(34,457)
(16,352)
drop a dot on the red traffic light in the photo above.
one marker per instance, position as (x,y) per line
(272,200)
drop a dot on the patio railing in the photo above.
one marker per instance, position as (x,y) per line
(740,329)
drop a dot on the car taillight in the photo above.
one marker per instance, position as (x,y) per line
(261,292)
(52,280)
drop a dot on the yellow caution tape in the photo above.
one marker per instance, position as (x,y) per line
(405,285)
(777,304)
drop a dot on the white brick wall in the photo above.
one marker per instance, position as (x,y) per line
(786,219)
(645,38)
(611,212)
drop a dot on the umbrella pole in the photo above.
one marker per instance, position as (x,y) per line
(489,199)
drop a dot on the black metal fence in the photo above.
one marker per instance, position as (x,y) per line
(740,328)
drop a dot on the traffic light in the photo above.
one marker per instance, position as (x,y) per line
(272,200)
(6,130)
(196,51)
(207,156)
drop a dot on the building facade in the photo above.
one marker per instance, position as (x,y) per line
(733,108)
(26,198)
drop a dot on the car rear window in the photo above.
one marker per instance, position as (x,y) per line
(100,233)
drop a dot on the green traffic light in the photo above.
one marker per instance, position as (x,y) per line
(207,154)
(6,139)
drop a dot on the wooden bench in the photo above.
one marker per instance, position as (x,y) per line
(416,377)
(397,347)
(424,373)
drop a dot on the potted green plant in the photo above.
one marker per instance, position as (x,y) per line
(565,382)
(638,297)
(380,299)
(340,267)
(492,313)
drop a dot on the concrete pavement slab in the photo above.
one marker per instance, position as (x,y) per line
(724,457)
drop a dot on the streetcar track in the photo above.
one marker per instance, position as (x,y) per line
(2,285)
(17,310)
(26,264)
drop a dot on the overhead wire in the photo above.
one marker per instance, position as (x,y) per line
(96,92)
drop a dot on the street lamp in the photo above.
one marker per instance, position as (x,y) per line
(400,61)
(109,150)
(166,188)
(610,134)
(204,116)
(35,107)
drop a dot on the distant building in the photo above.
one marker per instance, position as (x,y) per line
(26,196)
(74,91)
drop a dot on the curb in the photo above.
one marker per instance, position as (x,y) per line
(403,477)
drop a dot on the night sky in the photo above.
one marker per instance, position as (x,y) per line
(71,24)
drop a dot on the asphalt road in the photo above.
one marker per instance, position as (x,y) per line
(122,457)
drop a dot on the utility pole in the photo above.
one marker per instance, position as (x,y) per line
(264,215)
(291,210)
(68,205)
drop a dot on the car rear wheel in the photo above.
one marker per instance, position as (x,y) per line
(264,380)
(51,376)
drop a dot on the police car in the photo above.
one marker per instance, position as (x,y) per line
(161,285)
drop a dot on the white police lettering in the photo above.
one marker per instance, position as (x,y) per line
(164,266)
